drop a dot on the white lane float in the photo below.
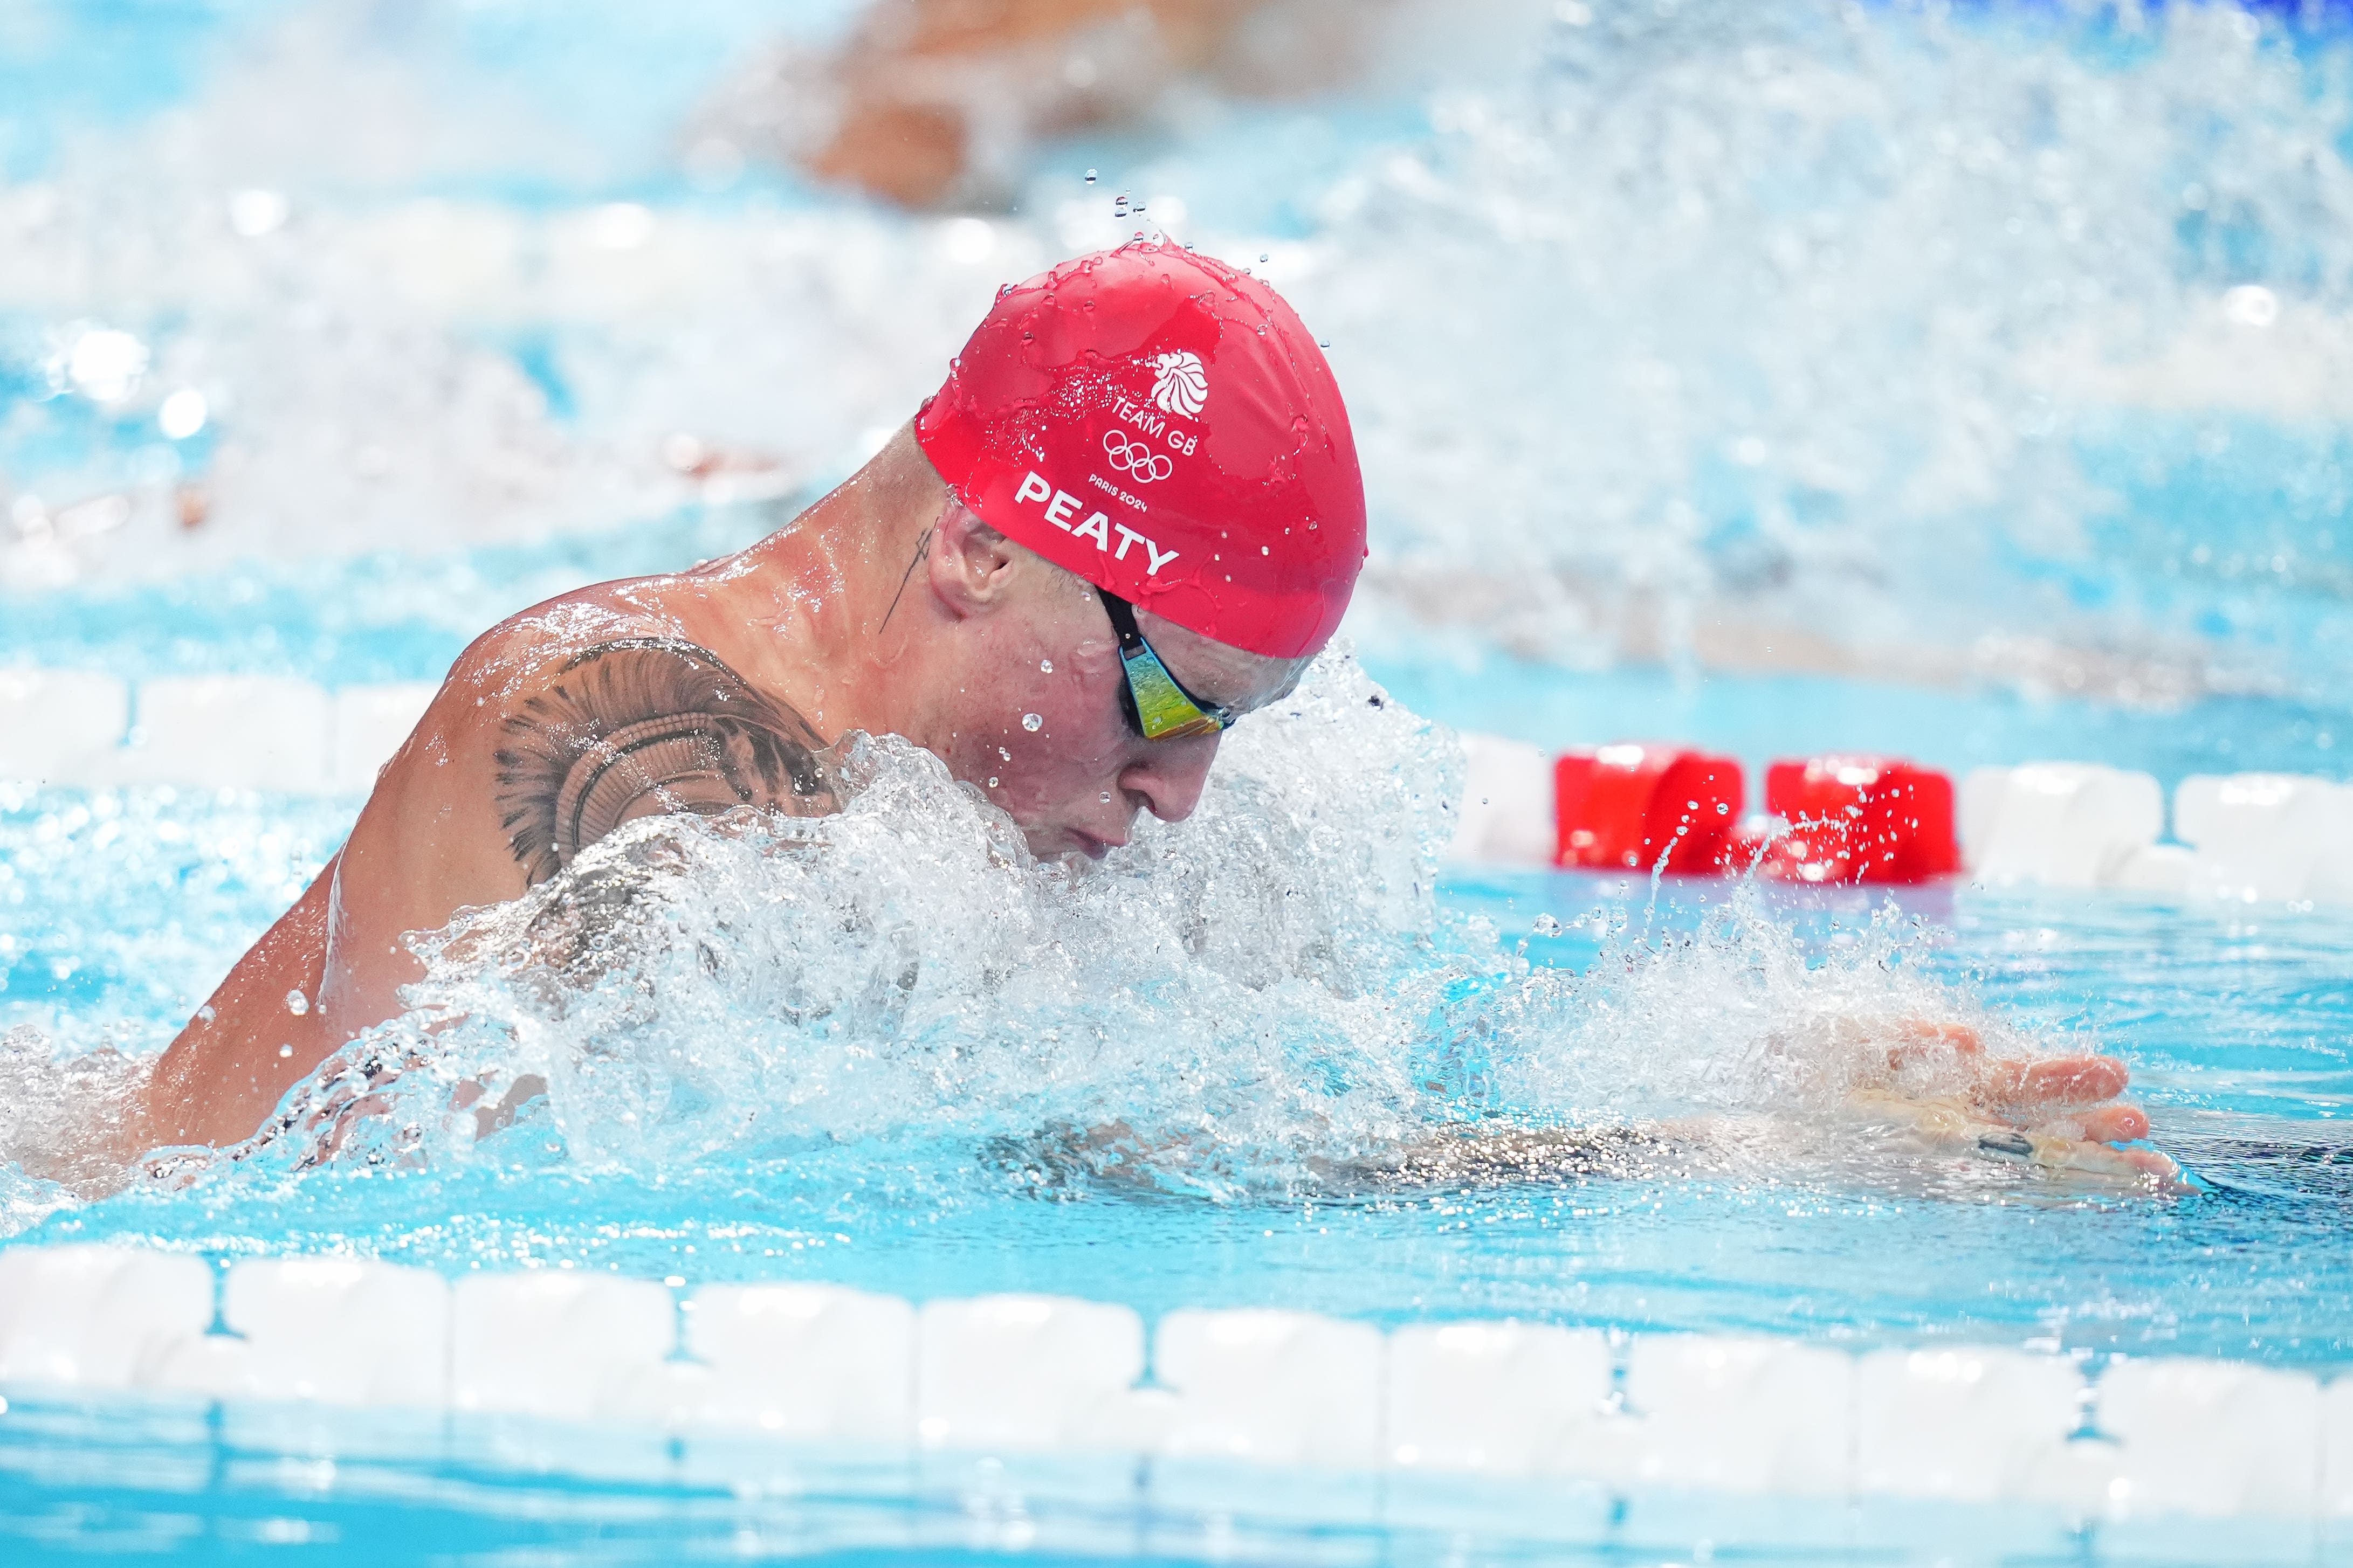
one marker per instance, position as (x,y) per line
(1836,819)
(1539,1406)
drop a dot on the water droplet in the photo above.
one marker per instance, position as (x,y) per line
(205,1014)
(992,781)
(1003,756)
(1546,925)
(285,1051)
(1031,722)
(1045,665)
(297,1004)
(256,213)
(1091,176)
(183,414)
(1261,259)
(1106,798)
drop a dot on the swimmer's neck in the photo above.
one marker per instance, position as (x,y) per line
(833,612)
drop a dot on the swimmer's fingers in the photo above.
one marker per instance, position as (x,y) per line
(2159,1168)
(2066,1081)
(2083,1157)
(2078,1146)
(2099,1159)
(2112,1124)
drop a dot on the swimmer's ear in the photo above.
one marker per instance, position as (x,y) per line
(971,564)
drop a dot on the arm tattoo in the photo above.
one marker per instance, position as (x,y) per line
(634,727)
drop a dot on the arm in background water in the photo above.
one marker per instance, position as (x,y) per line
(1912,1087)
(1903,1089)
(551,731)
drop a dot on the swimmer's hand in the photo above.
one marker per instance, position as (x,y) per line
(2062,1114)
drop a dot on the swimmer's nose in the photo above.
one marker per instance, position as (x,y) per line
(1168,778)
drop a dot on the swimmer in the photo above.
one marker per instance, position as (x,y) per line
(940,102)
(1128,519)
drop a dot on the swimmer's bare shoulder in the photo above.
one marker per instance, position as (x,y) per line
(552,730)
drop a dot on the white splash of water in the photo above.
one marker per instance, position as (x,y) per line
(904,967)
(1734,1015)
(1794,309)
(1228,1004)
(1803,311)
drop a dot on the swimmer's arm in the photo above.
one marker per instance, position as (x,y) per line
(241,1050)
(420,850)
(1869,1121)
(537,745)
(2062,1115)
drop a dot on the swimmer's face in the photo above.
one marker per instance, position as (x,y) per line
(1041,728)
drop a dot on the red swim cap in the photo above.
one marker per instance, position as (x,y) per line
(1164,427)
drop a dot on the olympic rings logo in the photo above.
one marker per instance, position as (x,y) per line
(1133,459)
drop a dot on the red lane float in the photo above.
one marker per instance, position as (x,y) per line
(1621,807)
(1841,819)
(1857,819)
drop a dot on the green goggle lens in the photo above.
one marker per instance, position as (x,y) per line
(1157,706)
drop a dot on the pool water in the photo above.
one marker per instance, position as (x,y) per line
(1783,378)
(122,906)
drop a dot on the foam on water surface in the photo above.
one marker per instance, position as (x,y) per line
(905,969)
(865,1047)
(1258,1001)
(1991,344)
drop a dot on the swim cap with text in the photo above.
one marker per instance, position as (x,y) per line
(1163,425)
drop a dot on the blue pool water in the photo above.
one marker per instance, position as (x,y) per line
(2236,1027)
(1781,377)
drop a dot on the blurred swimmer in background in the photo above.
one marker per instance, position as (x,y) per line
(1130,517)
(938,102)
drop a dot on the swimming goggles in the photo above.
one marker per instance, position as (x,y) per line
(1158,706)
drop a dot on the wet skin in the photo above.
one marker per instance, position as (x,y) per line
(884,608)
